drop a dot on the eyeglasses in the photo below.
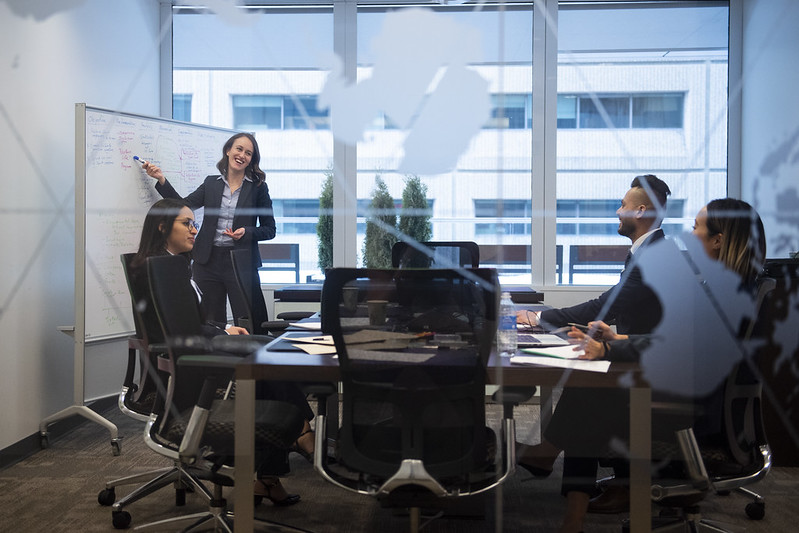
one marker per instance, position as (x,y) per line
(189,223)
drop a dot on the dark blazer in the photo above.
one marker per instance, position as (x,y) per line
(253,213)
(634,307)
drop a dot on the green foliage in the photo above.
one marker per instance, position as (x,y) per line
(382,218)
(415,218)
(324,227)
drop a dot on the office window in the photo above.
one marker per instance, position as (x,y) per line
(246,77)
(627,103)
(181,107)
(633,103)
(504,53)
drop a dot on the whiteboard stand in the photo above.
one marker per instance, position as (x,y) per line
(78,406)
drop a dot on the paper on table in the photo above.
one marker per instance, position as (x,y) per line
(561,352)
(313,326)
(575,364)
(316,349)
(309,339)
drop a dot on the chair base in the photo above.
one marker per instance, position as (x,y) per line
(218,515)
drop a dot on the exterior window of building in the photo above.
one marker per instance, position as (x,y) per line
(658,111)
(301,114)
(510,111)
(257,112)
(181,107)
(503,211)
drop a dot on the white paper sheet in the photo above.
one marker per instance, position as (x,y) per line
(575,364)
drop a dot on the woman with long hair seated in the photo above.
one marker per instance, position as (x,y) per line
(169,228)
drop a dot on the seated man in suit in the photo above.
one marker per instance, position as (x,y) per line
(635,309)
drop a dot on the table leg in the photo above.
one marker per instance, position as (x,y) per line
(640,459)
(245,455)
(545,404)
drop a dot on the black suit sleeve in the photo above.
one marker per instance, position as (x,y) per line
(630,304)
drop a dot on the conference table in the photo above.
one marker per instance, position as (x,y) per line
(269,363)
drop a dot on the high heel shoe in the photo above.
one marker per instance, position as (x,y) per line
(536,471)
(298,449)
(263,489)
(537,465)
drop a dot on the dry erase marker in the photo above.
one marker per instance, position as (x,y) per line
(136,158)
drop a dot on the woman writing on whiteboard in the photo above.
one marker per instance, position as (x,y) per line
(237,214)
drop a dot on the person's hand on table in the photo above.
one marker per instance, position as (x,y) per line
(595,340)
(236,330)
(527,318)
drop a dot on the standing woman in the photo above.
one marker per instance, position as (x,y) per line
(237,214)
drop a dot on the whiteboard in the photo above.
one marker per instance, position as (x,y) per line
(112,196)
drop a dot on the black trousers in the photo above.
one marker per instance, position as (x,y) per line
(217,281)
(585,423)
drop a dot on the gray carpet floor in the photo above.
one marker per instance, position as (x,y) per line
(56,490)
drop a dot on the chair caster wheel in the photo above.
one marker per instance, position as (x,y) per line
(756,510)
(44,441)
(107,497)
(120,519)
(115,449)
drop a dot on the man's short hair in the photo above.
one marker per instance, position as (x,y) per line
(653,186)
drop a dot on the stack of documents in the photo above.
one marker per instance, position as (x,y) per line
(560,357)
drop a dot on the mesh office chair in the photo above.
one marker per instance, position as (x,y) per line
(435,254)
(258,325)
(413,386)
(739,457)
(137,399)
(194,424)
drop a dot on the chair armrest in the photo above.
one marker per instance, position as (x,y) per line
(239,344)
(293,316)
(228,362)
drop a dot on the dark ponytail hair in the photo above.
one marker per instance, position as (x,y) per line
(253,170)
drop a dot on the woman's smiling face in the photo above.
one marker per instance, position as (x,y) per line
(240,154)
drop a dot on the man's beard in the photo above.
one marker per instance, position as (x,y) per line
(625,228)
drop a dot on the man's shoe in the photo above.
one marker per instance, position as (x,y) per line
(615,499)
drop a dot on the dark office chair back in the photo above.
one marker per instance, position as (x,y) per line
(411,392)
(176,304)
(435,254)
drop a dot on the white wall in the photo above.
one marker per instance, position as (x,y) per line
(770,119)
(52,55)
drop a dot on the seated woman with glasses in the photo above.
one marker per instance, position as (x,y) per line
(170,228)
